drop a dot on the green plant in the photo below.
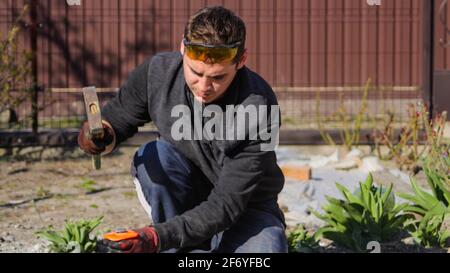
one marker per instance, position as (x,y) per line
(88,185)
(351,126)
(299,240)
(430,210)
(76,237)
(437,159)
(429,231)
(370,214)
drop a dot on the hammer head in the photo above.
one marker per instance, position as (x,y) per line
(93,112)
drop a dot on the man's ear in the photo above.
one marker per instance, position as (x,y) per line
(243,59)
(182,47)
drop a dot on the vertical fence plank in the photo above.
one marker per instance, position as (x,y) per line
(447,37)
(301,45)
(163,19)
(266,39)
(75,46)
(402,42)
(352,42)
(417,40)
(318,43)
(180,16)
(146,27)
(386,43)
(283,44)
(195,5)
(128,37)
(439,51)
(334,45)
(369,46)
(248,13)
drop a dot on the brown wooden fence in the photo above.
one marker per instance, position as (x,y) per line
(299,46)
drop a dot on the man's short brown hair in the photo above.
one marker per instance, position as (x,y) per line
(216,26)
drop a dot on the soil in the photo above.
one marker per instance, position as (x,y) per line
(41,188)
(36,194)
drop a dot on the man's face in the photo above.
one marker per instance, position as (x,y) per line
(207,81)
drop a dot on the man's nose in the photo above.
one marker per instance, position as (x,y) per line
(205,84)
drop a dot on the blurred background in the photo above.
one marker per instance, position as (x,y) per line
(316,54)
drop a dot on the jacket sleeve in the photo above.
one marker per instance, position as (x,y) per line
(129,108)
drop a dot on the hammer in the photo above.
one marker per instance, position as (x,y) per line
(94,119)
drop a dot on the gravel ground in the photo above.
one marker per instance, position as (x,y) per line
(43,188)
(56,186)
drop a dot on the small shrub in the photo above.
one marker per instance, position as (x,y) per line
(430,210)
(76,237)
(299,240)
(368,215)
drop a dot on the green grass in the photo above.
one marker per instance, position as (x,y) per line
(88,185)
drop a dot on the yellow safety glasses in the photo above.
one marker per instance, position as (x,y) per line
(210,53)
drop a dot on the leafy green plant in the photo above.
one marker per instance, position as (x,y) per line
(299,240)
(370,214)
(428,231)
(430,210)
(351,126)
(76,237)
(88,185)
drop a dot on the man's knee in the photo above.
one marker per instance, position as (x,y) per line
(159,158)
(138,157)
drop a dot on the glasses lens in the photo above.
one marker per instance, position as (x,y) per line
(210,54)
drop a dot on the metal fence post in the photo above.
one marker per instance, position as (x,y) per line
(428,56)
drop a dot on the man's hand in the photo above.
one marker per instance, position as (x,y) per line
(97,146)
(144,240)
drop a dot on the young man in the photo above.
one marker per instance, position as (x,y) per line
(203,193)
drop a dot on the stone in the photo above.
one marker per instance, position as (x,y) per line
(371,164)
(346,164)
(9,238)
(403,177)
(354,153)
(409,241)
(321,161)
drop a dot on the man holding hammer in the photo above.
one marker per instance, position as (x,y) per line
(212,189)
